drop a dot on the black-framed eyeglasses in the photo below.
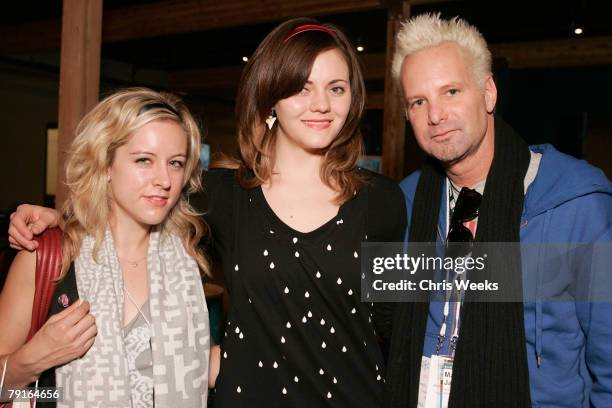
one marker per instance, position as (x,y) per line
(466,209)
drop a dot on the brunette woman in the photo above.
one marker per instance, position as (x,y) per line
(288,218)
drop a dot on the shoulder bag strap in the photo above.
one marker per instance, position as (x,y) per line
(48,268)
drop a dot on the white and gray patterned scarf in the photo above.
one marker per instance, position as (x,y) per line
(179,319)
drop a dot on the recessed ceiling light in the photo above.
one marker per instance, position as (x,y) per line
(360,48)
(245,59)
(578,30)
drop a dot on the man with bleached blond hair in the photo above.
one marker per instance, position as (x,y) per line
(484,184)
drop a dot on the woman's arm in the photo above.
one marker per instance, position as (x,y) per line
(15,315)
(64,337)
(213,365)
(27,221)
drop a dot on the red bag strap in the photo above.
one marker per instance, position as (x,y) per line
(48,268)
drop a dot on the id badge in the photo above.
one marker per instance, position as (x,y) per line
(435,381)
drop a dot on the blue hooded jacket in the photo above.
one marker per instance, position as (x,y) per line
(568,343)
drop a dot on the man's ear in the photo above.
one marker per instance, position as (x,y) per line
(490,93)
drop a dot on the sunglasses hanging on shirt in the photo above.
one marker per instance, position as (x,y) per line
(466,209)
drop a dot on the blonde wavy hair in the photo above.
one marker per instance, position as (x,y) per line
(108,126)
(430,30)
(278,69)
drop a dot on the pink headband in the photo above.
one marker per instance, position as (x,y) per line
(310,27)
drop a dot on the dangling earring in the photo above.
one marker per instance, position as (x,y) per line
(271,119)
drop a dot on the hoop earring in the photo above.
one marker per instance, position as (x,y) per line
(271,119)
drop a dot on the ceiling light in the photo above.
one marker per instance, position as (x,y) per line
(360,48)
(245,59)
(578,30)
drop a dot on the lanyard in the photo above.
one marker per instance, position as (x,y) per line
(448,298)
(455,323)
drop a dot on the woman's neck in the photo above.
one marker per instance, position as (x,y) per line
(295,165)
(131,238)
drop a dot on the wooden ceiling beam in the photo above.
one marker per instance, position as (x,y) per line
(171,17)
(587,51)
(574,52)
(176,17)
(228,77)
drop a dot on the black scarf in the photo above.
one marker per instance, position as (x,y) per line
(490,365)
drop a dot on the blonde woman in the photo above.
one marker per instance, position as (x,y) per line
(138,336)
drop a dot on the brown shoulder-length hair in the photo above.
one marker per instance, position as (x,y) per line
(278,69)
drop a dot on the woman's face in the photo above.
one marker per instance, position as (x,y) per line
(312,118)
(146,177)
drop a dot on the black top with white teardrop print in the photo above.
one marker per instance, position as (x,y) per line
(297,333)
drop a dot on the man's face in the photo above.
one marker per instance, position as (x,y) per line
(446,107)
